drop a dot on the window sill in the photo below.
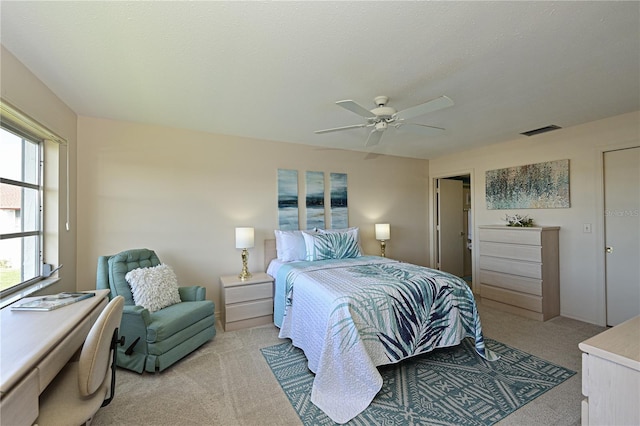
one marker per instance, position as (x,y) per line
(14,297)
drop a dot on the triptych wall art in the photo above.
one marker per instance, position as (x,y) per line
(339,207)
(315,199)
(314,196)
(288,199)
(533,186)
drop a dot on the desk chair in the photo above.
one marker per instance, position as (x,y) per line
(82,386)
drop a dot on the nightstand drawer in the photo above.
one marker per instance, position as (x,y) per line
(248,292)
(241,311)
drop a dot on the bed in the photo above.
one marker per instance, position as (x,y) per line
(350,314)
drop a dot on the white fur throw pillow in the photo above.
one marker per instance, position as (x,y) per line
(154,288)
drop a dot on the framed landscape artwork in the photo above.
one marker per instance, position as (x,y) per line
(315,199)
(288,199)
(533,186)
(339,208)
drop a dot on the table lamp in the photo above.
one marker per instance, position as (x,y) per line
(383,233)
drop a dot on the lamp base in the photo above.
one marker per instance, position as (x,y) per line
(245,274)
(382,247)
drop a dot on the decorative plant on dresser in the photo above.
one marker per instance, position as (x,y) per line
(519,270)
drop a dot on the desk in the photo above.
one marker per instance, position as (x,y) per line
(34,346)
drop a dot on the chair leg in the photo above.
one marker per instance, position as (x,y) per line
(114,343)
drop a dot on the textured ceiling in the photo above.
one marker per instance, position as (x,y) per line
(273,70)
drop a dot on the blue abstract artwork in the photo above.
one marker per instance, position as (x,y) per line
(339,207)
(288,199)
(533,186)
(315,199)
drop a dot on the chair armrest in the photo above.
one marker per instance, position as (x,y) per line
(192,294)
(135,314)
(133,327)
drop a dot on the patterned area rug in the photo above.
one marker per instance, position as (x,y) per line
(451,386)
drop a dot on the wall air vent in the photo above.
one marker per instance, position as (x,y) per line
(541,130)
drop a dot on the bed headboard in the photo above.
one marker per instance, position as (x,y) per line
(269,252)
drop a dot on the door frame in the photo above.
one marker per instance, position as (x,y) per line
(433,213)
(601,272)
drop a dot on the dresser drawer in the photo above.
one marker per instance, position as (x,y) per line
(249,292)
(511,282)
(241,311)
(512,251)
(512,267)
(513,236)
(525,301)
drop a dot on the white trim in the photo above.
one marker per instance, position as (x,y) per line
(432,216)
(15,117)
(18,119)
(601,273)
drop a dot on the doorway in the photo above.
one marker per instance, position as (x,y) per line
(454,226)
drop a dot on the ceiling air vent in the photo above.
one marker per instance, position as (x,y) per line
(541,130)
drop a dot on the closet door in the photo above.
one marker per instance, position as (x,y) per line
(622,233)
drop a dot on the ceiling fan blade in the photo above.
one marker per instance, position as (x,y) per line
(374,138)
(357,108)
(421,129)
(335,129)
(427,107)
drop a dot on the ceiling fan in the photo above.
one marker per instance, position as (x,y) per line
(382,117)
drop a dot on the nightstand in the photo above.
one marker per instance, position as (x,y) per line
(247,303)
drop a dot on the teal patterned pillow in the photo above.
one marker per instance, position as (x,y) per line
(331,246)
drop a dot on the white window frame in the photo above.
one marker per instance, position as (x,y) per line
(22,125)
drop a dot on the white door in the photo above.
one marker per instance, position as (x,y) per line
(622,233)
(450,219)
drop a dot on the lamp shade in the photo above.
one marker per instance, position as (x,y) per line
(383,231)
(244,238)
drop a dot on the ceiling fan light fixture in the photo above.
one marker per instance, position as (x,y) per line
(381,126)
(380,118)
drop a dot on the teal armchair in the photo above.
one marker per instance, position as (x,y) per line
(155,340)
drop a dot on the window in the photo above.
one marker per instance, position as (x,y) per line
(21,209)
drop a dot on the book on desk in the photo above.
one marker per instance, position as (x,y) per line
(51,302)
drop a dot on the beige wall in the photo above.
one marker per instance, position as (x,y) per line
(582,287)
(182,193)
(24,91)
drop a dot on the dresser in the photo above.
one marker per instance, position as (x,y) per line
(247,303)
(519,270)
(611,376)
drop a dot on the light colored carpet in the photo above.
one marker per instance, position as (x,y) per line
(228,382)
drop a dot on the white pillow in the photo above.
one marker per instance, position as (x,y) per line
(154,288)
(290,245)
